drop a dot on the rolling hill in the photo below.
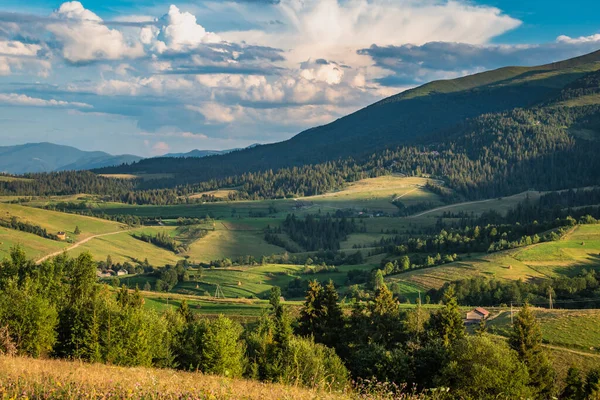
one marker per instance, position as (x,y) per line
(48,157)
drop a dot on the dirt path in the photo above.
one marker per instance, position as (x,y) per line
(409,192)
(450,206)
(76,245)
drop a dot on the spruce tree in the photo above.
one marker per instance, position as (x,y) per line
(573,389)
(592,384)
(447,323)
(526,340)
(334,316)
(311,315)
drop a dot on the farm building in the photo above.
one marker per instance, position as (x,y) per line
(62,235)
(122,272)
(476,315)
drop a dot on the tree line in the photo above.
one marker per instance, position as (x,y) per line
(57,309)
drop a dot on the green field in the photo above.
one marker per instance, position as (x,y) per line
(124,247)
(34,246)
(568,256)
(55,221)
(368,195)
(575,329)
(245,282)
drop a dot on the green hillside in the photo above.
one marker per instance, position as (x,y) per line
(411,117)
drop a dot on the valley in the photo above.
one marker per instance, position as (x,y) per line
(454,225)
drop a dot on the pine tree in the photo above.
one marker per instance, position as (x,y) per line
(447,323)
(334,316)
(77,231)
(283,323)
(185,312)
(311,315)
(526,340)
(592,384)
(573,385)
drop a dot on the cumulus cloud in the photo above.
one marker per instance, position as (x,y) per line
(15,99)
(582,39)
(178,31)
(335,29)
(322,71)
(16,56)
(84,37)
(215,112)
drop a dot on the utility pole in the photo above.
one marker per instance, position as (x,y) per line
(420,298)
(511,314)
(550,297)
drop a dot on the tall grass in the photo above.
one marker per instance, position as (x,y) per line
(26,378)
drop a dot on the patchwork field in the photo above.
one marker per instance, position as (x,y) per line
(245,282)
(568,256)
(369,195)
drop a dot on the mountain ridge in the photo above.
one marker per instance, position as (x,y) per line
(416,117)
(51,157)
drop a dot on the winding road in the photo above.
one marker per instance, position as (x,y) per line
(450,206)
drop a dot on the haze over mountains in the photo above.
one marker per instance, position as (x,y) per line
(50,157)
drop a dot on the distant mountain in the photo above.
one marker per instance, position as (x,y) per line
(204,153)
(432,114)
(48,157)
(196,153)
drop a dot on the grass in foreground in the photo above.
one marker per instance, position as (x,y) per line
(30,378)
(54,379)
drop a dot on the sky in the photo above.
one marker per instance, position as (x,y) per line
(152,77)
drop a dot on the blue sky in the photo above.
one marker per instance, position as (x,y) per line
(151,77)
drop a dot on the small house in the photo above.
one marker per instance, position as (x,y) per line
(61,235)
(476,315)
(122,272)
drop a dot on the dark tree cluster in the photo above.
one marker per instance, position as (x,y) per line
(580,291)
(164,240)
(319,232)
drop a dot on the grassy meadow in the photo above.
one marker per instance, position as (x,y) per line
(55,221)
(578,250)
(31,378)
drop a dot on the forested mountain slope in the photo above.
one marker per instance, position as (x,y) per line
(414,117)
(520,129)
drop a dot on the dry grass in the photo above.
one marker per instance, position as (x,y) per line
(52,379)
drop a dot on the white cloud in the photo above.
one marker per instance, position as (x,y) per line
(579,40)
(335,29)
(160,148)
(15,56)
(179,32)
(15,99)
(330,73)
(85,38)
(216,113)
